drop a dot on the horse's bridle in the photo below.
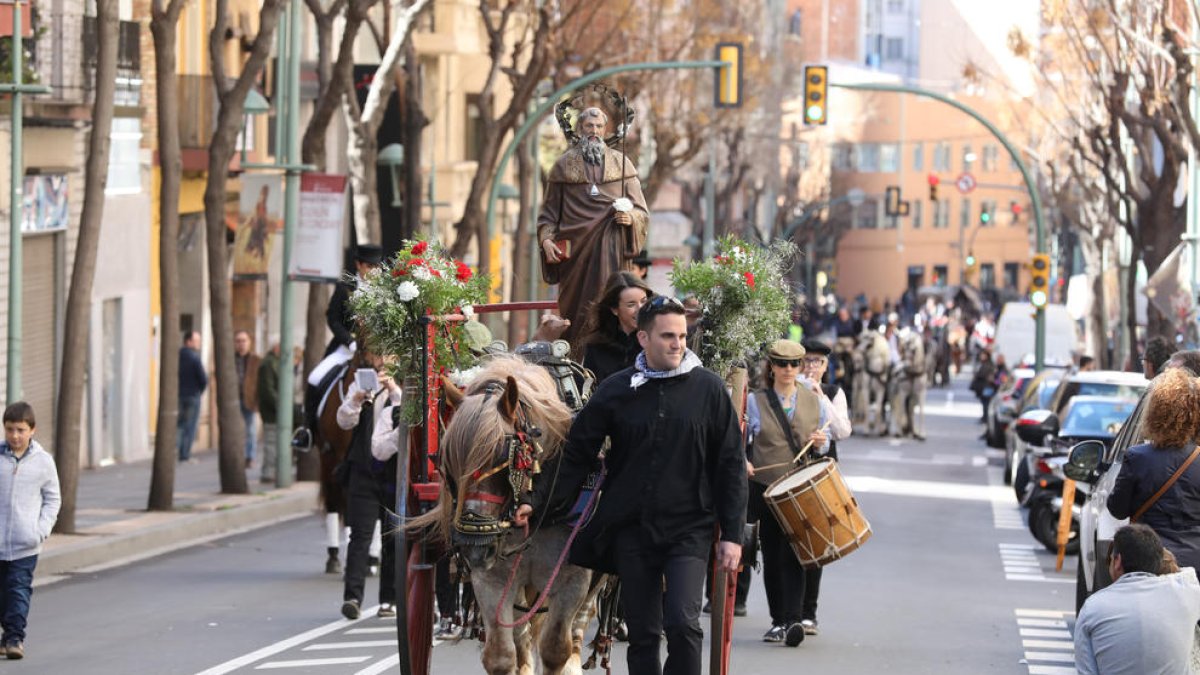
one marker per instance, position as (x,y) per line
(520,455)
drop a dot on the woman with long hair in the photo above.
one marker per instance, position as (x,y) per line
(609,337)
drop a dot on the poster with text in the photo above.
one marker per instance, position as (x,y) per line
(260,215)
(317,250)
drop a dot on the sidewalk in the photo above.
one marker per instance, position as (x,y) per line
(114,526)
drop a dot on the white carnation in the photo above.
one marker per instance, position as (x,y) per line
(468,311)
(623,205)
(421,274)
(407,290)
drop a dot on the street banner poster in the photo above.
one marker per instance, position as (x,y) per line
(1170,287)
(317,250)
(260,214)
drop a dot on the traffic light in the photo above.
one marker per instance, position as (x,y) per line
(1015,208)
(985,215)
(933,185)
(1039,282)
(816,90)
(970,259)
(729,78)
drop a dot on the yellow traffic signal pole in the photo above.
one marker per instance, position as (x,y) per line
(1039,350)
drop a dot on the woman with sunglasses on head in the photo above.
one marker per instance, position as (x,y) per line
(781,420)
(609,338)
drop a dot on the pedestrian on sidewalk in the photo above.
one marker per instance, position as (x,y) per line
(1145,621)
(366,481)
(29,501)
(267,392)
(192,383)
(247,363)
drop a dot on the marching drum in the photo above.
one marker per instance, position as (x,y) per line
(816,509)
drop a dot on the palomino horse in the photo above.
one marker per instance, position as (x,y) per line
(907,386)
(509,420)
(333,442)
(870,382)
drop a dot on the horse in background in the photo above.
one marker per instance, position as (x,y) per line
(907,386)
(870,383)
(511,409)
(332,443)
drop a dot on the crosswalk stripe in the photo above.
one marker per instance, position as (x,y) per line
(1049,656)
(381,666)
(361,644)
(282,645)
(306,663)
(1052,670)
(1041,623)
(377,629)
(1045,633)
(1045,613)
(1048,644)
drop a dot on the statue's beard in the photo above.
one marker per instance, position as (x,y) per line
(593,150)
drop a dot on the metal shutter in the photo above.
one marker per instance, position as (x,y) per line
(38,339)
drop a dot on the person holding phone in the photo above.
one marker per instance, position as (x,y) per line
(366,480)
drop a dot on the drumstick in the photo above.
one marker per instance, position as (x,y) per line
(799,455)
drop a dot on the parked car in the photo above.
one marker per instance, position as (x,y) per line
(1094,466)
(1093,382)
(1002,409)
(1038,393)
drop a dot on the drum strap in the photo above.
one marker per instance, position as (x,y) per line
(777,408)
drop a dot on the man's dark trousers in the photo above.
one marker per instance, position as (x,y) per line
(17,579)
(364,507)
(649,612)
(783,577)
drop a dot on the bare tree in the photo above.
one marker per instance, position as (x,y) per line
(79,297)
(231,96)
(363,123)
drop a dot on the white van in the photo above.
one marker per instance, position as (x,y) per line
(1015,335)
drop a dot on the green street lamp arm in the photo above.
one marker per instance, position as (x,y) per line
(1034,196)
(533,118)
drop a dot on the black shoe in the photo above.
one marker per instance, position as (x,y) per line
(794,634)
(810,626)
(302,440)
(775,634)
(707,608)
(739,610)
(350,609)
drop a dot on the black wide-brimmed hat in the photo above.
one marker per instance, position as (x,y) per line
(369,254)
(642,259)
(815,346)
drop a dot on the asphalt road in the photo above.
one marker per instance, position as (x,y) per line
(950,582)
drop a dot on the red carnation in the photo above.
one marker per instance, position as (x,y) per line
(419,248)
(721,259)
(464,273)
(398,272)
(435,273)
(413,262)
(749,279)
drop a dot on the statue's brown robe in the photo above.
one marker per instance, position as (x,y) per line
(599,246)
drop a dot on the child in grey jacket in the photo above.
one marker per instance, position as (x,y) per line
(29,501)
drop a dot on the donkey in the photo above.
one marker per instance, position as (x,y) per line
(509,420)
(907,387)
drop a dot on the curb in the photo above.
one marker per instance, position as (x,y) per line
(166,532)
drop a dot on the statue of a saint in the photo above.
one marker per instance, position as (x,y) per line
(593,220)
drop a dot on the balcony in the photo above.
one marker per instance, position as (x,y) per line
(129,60)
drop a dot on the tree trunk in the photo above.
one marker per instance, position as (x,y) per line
(415,122)
(79,297)
(163,28)
(220,152)
(519,329)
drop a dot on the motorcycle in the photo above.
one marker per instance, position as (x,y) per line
(1046,501)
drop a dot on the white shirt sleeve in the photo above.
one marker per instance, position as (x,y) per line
(349,410)
(839,417)
(386,440)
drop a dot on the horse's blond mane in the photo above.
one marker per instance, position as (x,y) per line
(472,439)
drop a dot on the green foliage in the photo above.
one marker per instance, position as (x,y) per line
(745,296)
(392,302)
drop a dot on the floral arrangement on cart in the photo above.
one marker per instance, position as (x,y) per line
(746,301)
(396,303)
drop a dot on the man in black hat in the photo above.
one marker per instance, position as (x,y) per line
(641,265)
(341,322)
(833,403)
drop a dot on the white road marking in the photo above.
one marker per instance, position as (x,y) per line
(284,645)
(385,665)
(1051,645)
(306,663)
(378,629)
(361,644)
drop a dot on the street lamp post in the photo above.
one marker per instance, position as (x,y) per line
(392,156)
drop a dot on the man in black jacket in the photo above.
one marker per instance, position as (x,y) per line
(675,469)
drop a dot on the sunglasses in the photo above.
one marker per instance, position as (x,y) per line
(814,360)
(786,363)
(660,304)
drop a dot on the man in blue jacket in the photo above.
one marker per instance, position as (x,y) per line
(192,383)
(29,501)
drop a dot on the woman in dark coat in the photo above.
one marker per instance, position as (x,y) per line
(609,338)
(1171,425)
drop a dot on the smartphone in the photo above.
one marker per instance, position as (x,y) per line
(564,248)
(367,379)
